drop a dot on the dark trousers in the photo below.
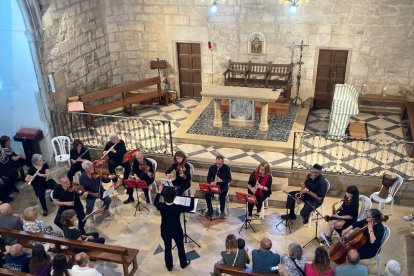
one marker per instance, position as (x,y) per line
(77,167)
(306,210)
(181,188)
(90,203)
(259,205)
(222,198)
(80,213)
(95,239)
(10,173)
(130,193)
(112,165)
(178,237)
(40,191)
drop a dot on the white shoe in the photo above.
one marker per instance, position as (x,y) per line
(409,217)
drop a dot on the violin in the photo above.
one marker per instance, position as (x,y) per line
(339,250)
(75,187)
(182,169)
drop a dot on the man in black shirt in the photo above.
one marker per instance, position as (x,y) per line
(314,191)
(67,197)
(115,150)
(219,174)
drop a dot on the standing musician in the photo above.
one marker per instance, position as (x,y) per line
(37,177)
(346,215)
(93,188)
(260,185)
(182,173)
(66,196)
(115,150)
(375,232)
(77,155)
(219,174)
(313,191)
(142,169)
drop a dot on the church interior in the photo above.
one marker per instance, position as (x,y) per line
(291,85)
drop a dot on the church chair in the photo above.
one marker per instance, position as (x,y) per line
(61,148)
(390,198)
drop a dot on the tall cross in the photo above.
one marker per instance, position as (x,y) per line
(301,46)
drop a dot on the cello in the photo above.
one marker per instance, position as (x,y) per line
(356,240)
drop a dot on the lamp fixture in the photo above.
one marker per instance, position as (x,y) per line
(293,6)
(213,7)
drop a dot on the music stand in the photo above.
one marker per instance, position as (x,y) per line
(247,198)
(137,184)
(316,224)
(287,222)
(213,189)
(187,238)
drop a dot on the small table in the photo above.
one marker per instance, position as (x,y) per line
(262,95)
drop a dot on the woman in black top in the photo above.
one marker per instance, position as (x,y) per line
(69,222)
(375,232)
(37,177)
(116,155)
(171,224)
(347,214)
(260,185)
(182,172)
(77,154)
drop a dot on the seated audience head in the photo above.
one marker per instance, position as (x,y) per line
(77,144)
(69,218)
(113,137)
(5,141)
(82,259)
(352,257)
(16,250)
(231,243)
(30,214)
(87,166)
(6,209)
(39,255)
(180,157)
(37,160)
(295,251)
(169,194)
(60,265)
(321,261)
(241,243)
(263,168)
(392,268)
(265,244)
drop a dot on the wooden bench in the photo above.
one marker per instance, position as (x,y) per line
(103,252)
(257,74)
(408,114)
(237,271)
(6,272)
(280,77)
(236,73)
(389,103)
(126,97)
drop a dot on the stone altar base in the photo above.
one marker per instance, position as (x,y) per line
(181,135)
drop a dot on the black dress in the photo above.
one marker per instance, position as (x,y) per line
(261,195)
(115,159)
(76,167)
(143,175)
(40,184)
(182,182)
(348,210)
(369,250)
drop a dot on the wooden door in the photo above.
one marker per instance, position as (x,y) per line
(189,66)
(331,70)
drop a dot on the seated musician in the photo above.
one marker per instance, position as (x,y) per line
(78,154)
(15,160)
(7,169)
(66,197)
(182,179)
(142,169)
(314,191)
(115,150)
(375,231)
(37,176)
(93,188)
(346,215)
(260,185)
(218,174)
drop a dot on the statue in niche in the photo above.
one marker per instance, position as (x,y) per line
(256,43)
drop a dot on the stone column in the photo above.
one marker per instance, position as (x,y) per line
(217,114)
(264,126)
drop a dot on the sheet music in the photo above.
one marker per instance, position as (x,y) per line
(166,182)
(186,201)
(109,192)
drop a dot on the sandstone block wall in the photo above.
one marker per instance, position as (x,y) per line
(106,42)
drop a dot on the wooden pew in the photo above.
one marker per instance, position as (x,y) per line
(280,76)
(126,97)
(236,73)
(237,271)
(103,252)
(6,272)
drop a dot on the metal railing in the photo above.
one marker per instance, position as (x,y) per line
(360,157)
(151,136)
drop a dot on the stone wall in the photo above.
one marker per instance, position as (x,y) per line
(104,42)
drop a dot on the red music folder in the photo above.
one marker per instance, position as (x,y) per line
(132,183)
(213,188)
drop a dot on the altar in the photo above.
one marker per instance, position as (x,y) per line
(242,108)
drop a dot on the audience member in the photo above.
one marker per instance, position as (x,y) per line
(353,267)
(60,266)
(265,260)
(69,222)
(320,265)
(32,224)
(241,244)
(7,164)
(81,268)
(17,260)
(40,263)
(294,262)
(8,220)
(392,268)
(232,255)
